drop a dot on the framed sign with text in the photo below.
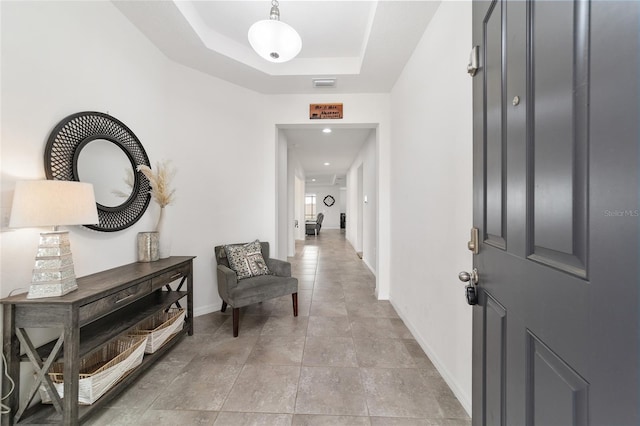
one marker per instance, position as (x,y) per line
(325,111)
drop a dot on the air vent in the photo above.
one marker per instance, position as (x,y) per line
(324,82)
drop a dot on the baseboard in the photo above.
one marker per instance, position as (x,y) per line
(373,271)
(203,310)
(463,397)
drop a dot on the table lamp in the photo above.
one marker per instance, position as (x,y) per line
(53,203)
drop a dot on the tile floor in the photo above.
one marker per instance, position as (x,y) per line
(347,359)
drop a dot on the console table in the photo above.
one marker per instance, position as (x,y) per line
(105,306)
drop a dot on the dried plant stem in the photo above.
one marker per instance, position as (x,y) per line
(160,182)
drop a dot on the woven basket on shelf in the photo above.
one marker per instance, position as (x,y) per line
(100,370)
(160,328)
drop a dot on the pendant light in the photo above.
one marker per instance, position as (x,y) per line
(274,40)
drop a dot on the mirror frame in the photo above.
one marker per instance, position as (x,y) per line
(61,163)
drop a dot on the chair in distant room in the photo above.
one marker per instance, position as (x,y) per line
(247,275)
(313,226)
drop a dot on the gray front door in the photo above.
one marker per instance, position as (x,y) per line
(556,113)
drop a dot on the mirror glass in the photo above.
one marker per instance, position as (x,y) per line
(95,147)
(105,165)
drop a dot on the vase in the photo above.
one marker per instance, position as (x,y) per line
(148,246)
(164,234)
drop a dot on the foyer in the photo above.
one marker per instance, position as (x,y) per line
(347,359)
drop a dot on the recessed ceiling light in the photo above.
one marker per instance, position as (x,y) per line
(327,164)
(313,180)
(327,130)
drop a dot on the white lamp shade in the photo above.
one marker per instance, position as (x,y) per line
(53,203)
(274,40)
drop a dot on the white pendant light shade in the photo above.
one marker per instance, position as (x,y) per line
(274,40)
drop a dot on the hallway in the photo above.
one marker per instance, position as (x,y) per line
(347,359)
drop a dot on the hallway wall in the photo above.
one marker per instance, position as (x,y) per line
(366,159)
(331,214)
(431,198)
(59,58)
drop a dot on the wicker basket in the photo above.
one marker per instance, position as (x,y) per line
(160,328)
(100,370)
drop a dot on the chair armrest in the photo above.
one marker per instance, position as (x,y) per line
(279,267)
(227,279)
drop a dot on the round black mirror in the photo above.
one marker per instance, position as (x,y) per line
(97,148)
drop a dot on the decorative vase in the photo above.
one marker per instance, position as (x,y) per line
(148,246)
(164,233)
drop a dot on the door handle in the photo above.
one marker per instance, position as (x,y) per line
(471,290)
(471,278)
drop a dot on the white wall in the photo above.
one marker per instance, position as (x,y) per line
(431,209)
(331,214)
(59,58)
(294,201)
(362,233)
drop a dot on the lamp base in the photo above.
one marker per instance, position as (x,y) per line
(53,274)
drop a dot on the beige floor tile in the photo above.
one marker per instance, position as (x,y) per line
(418,355)
(286,326)
(226,349)
(398,421)
(375,328)
(327,295)
(249,325)
(210,323)
(331,390)
(114,417)
(398,392)
(252,419)
(177,417)
(329,326)
(264,389)
(200,386)
(328,308)
(277,350)
(330,352)
(383,353)
(318,420)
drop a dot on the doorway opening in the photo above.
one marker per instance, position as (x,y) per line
(341,170)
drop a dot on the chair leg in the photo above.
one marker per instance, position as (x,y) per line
(294,296)
(224,306)
(236,320)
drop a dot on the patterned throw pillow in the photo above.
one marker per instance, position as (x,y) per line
(247,260)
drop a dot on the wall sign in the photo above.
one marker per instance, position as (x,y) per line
(325,111)
(329,201)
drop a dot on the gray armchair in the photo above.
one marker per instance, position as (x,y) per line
(238,293)
(313,226)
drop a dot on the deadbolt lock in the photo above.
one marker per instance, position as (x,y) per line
(473,244)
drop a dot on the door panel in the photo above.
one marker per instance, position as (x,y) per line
(558,113)
(552,384)
(494,140)
(495,336)
(555,338)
